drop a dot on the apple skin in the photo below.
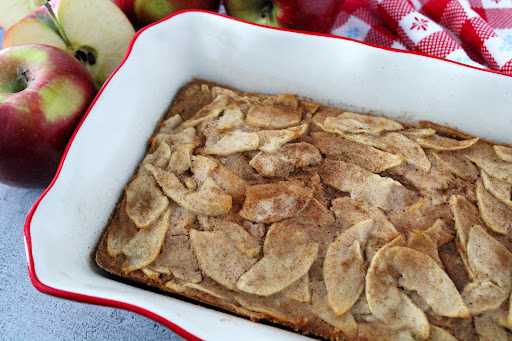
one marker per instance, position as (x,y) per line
(304,15)
(41,13)
(44,92)
(144,12)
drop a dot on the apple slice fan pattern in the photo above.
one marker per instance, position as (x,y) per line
(474,32)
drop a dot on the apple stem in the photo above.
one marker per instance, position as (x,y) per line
(22,82)
(267,9)
(57,23)
(24,76)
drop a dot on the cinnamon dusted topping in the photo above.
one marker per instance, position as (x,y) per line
(320,307)
(322,114)
(439,334)
(212,110)
(242,239)
(170,124)
(487,329)
(421,215)
(350,122)
(144,201)
(456,163)
(270,117)
(272,140)
(419,132)
(484,156)
(483,296)
(209,200)
(177,259)
(465,215)
(342,225)
(300,290)
(315,213)
(285,100)
(228,181)
(287,256)
(496,215)
(218,91)
(420,241)
(382,192)
(274,202)
(121,231)
(208,290)
(500,189)
(413,270)
(268,308)
(505,153)
(337,148)
(232,117)
(437,142)
(219,258)
(160,158)
(395,143)
(286,159)
(180,160)
(344,265)
(489,259)
(439,233)
(349,212)
(187,135)
(386,302)
(234,142)
(145,246)
(437,178)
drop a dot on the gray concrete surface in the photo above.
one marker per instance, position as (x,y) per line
(26,314)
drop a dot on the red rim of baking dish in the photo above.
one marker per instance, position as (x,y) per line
(117,304)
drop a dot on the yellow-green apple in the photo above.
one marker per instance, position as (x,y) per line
(95,31)
(144,12)
(44,92)
(307,15)
(11,11)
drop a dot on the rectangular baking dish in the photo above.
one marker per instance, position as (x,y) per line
(66,223)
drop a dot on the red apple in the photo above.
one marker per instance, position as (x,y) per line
(144,12)
(44,92)
(306,15)
(95,31)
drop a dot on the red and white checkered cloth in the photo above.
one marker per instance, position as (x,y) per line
(478,32)
(472,32)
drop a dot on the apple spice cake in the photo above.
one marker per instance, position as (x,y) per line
(339,225)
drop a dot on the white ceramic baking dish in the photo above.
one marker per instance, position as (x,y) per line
(66,223)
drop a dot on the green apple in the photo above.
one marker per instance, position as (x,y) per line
(44,92)
(96,32)
(12,11)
